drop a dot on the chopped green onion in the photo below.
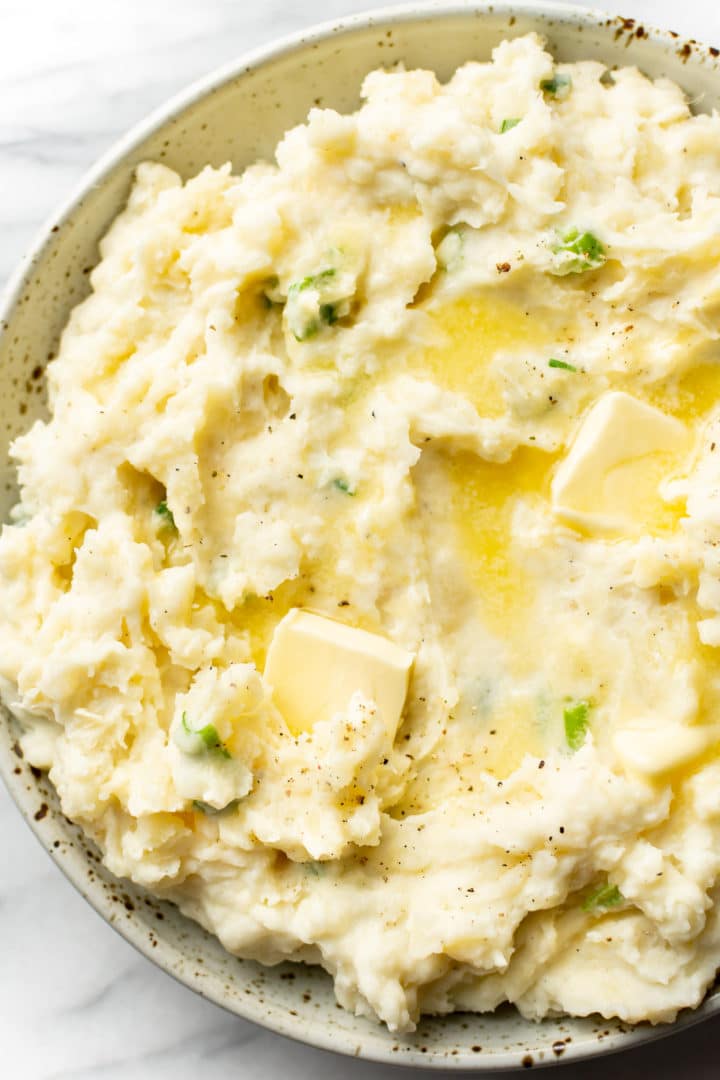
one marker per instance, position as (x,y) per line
(584,244)
(552,362)
(312,280)
(165,515)
(450,250)
(575,719)
(327,313)
(605,896)
(310,329)
(200,740)
(559,86)
(343,485)
(212,740)
(577,252)
(509,124)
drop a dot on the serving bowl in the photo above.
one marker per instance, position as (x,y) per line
(238,114)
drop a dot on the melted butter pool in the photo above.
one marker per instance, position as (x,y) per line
(690,397)
(474,329)
(483,499)
(259,615)
(483,590)
(476,505)
(633,489)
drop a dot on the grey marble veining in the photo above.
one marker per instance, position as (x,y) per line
(76,1002)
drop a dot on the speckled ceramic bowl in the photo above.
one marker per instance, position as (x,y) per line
(239,114)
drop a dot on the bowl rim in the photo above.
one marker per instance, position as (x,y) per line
(16,286)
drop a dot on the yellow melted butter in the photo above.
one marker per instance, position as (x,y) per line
(317,590)
(497,745)
(259,615)
(474,330)
(483,497)
(516,733)
(632,489)
(690,396)
(634,486)
(403,213)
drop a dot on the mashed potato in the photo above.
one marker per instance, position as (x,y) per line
(429,410)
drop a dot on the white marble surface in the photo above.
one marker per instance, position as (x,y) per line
(76,1002)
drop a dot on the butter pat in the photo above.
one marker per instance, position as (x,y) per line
(315,665)
(653,750)
(609,480)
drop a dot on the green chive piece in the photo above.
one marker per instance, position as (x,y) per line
(450,252)
(165,516)
(575,719)
(509,124)
(312,281)
(328,314)
(559,86)
(308,331)
(552,362)
(343,485)
(577,252)
(605,896)
(584,244)
(208,737)
(212,740)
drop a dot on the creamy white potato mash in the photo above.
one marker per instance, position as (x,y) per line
(363,595)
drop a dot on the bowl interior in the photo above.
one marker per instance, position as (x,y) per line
(238,116)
